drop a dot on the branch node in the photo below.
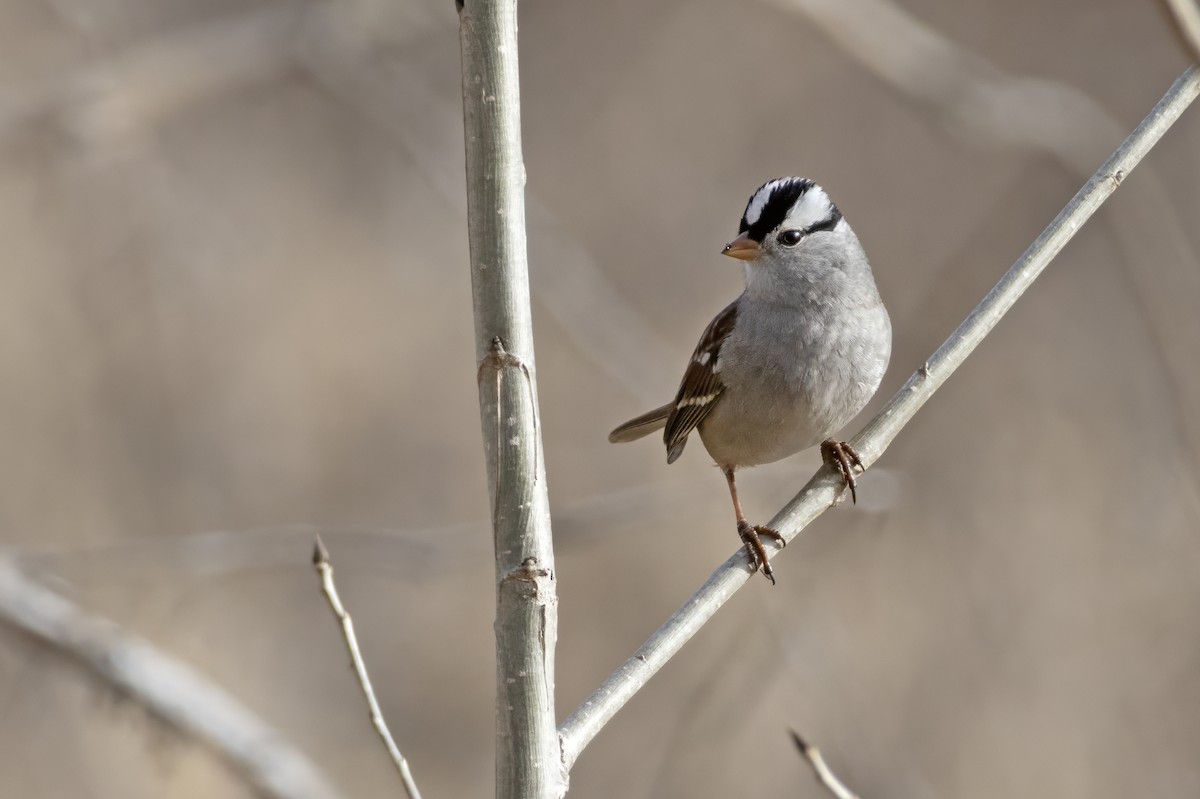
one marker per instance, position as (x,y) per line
(528,572)
(498,358)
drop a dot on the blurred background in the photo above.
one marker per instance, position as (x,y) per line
(235,311)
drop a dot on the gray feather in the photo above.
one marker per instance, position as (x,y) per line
(642,426)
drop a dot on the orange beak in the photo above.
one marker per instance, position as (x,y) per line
(743,248)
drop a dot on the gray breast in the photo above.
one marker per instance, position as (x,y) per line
(795,373)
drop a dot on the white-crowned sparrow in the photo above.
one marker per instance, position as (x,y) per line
(790,361)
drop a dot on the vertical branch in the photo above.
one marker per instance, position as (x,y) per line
(528,762)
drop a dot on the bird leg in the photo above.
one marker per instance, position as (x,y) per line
(752,534)
(842,458)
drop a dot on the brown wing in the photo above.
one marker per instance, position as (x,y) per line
(701,386)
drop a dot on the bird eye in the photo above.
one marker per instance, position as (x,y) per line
(790,238)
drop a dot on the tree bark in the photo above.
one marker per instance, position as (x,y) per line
(528,761)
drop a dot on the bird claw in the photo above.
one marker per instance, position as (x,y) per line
(752,535)
(842,458)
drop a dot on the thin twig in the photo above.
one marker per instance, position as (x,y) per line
(821,769)
(824,490)
(1186,15)
(325,571)
(169,689)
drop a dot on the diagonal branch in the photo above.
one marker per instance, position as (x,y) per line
(167,688)
(324,569)
(824,490)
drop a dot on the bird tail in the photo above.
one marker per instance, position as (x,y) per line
(643,425)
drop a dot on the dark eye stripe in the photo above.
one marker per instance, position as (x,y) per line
(835,216)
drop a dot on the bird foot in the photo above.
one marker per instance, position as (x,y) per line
(752,535)
(842,458)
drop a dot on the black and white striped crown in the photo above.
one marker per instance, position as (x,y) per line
(798,200)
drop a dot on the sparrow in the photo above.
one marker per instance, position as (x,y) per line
(790,361)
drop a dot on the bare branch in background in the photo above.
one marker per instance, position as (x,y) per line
(527,748)
(970,95)
(1186,16)
(324,569)
(568,283)
(824,490)
(168,688)
(821,769)
(977,101)
(103,100)
(108,104)
(125,96)
(410,554)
